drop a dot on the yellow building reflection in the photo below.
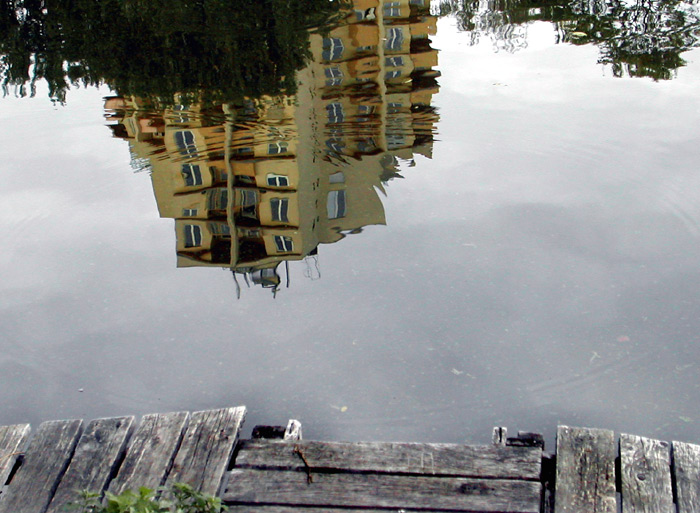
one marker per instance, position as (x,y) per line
(253,185)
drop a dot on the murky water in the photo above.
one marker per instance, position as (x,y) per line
(456,218)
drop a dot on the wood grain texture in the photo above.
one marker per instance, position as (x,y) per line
(12,442)
(488,461)
(246,486)
(94,463)
(45,462)
(585,471)
(686,469)
(302,509)
(645,471)
(151,452)
(206,449)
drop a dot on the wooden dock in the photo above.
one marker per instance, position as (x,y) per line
(277,472)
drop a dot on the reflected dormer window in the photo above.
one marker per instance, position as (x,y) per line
(192,175)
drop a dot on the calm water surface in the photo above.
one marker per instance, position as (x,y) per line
(536,261)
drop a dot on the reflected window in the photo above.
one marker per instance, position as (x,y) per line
(243,150)
(219,174)
(220,228)
(334,76)
(336,204)
(245,179)
(284,244)
(392,9)
(367,145)
(365,109)
(249,203)
(392,74)
(193,236)
(335,112)
(396,61)
(335,145)
(277,180)
(394,141)
(186,143)
(192,175)
(181,113)
(277,148)
(367,14)
(394,39)
(332,48)
(218,199)
(280,207)
(338,177)
(189,212)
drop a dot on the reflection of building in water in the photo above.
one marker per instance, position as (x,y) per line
(253,185)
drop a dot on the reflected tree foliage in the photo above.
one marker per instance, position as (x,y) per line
(224,49)
(638,38)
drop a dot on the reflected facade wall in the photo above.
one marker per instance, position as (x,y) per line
(266,181)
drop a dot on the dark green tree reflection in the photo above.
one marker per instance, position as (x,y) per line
(227,49)
(638,38)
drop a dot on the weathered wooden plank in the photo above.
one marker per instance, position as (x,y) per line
(645,471)
(151,452)
(95,460)
(206,449)
(303,509)
(270,487)
(12,441)
(585,471)
(686,470)
(293,431)
(489,461)
(45,461)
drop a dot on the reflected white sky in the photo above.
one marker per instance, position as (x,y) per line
(542,268)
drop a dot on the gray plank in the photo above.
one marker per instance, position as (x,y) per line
(151,452)
(303,509)
(585,472)
(94,462)
(686,469)
(45,461)
(206,449)
(489,461)
(12,441)
(270,487)
(645,471)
